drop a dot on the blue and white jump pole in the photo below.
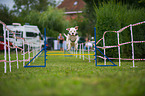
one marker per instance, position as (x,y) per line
(100,52)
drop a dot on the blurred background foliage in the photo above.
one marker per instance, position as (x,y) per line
(52,19)
(114,16)
(42,13)
(103,14)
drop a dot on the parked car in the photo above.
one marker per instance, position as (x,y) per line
(50,43)
(1,45)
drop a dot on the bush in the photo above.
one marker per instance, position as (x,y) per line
(112,17)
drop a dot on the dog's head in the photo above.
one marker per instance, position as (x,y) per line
(73,31)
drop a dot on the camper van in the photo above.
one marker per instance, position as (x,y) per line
(31,35)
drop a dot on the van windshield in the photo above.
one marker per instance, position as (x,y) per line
(40,36)
(31,34)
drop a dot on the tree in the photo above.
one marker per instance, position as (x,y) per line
(23,7)
(6,16)
(52,19)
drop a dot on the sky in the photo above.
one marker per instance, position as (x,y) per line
(10,3)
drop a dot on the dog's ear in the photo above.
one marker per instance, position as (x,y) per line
(68,29)
(76,27)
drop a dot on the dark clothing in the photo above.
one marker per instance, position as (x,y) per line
(60,41)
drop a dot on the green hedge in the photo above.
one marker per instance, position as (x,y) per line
(112,17)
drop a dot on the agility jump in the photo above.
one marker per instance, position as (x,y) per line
(120,44)
(34,50)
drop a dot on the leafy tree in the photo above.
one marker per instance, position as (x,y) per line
(52,19)
(23,7)
(5,16)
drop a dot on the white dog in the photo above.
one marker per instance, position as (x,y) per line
(72,38)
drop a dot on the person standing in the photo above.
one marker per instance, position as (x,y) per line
(88,44)
(60,41)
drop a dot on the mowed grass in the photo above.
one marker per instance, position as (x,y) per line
(71,76)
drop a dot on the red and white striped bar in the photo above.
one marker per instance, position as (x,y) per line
(127,59)
(120,44)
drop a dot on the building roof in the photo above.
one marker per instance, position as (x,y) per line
(72,5)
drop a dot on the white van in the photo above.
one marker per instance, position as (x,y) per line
(30,33)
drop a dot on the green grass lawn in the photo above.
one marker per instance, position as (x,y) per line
(71,76)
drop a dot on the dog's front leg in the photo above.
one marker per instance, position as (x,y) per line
(69,45)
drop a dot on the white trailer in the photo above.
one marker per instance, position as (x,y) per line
(30,33)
